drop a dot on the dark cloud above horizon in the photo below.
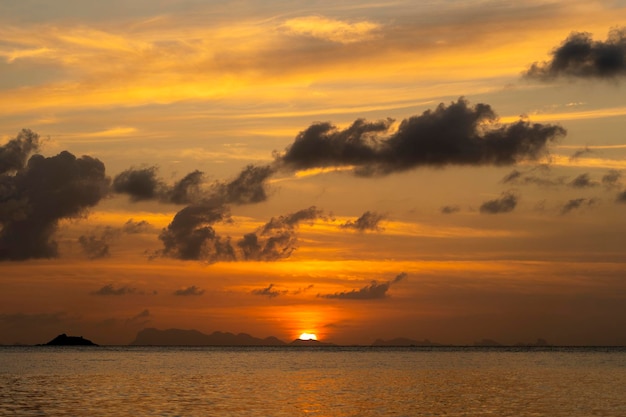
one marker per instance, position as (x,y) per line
(505,204)
(579,153)
(530,178)
(189,291)
(621,197)
(450,209)
(277,239)
(612,179)
(368,221)
(457,134)
(374,291)
(36,195)
(583,181)
(576,203)
(269,291)
(110,290)
(579,56)
(190,235)
(96,246)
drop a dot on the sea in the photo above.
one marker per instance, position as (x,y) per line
(312,381)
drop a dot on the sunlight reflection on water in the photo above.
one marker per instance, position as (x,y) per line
(45,381)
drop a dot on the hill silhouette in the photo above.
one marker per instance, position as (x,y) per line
(309,343)
(65,340)
(403,341)
(181,337)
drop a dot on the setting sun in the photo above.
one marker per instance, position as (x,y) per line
(308,336)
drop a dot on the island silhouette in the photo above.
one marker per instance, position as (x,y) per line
(65,340)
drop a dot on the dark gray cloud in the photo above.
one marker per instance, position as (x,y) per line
(581,57)
(583,181)
(370,220)
(450,209)
(457,134)
(579,153)
(35,196)
(612,179)
(94,247)
(15,153)
(140,184)
(621,197)
(530,178)
(190,235)
(505,204)
(576,203)
(140,319)
(269,291)
(96,244)
(301,290)
(189,291)
(374,291)
(110,290)
(187,190)
(247,188)
(277,239)
(135,227)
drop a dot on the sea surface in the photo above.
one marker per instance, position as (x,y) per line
(303,381)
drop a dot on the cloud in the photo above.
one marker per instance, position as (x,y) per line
(332,30)
(576,203)
(580,152)
(14,154)
(621,197)
(190,236)
(139,184)
(269,291)
(583,181)
(457,134)
(506,203)
(301,290)
(277,238)
(96,244)
(109,290)
(374,291)
(94,247)
(140,319)
(135,227)
(370,220)
(247,188)
(189,291)
(35,196)
(525,178)
(581,57)
(612,179)
(187,189)
(450,209)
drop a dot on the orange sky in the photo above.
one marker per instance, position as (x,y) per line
(409,224)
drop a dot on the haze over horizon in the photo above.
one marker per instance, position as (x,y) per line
(450,170)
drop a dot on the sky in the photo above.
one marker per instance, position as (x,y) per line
(449,170)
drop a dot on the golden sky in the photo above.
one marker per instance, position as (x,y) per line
(451,170)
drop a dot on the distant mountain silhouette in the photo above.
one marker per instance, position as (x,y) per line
(487,343)
(65,340)
(311,342)
(180,337)
(403,341)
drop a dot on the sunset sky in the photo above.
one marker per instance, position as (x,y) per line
(451,170)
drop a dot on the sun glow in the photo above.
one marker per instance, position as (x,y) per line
(308,336)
